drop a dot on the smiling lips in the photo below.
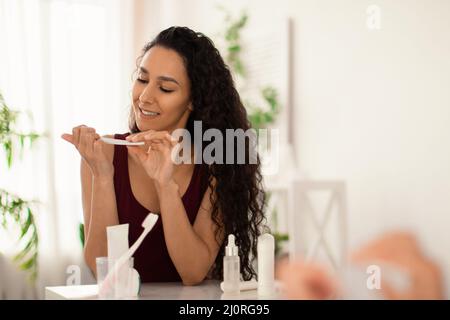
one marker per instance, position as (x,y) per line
(148,113)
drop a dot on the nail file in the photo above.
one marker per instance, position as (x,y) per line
(121,142)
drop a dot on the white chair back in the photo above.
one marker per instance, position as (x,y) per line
(317,225)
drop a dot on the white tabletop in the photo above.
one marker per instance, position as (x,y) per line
(207,290)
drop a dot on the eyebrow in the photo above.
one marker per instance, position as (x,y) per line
(163,78)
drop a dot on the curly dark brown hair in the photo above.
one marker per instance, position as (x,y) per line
(238,192)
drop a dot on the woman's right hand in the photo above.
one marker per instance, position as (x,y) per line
(91,149)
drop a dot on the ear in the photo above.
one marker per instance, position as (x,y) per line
(190,106)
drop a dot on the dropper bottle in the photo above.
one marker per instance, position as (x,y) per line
(231,268)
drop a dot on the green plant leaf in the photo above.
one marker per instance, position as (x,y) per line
(239,67)
(258,117)
(21,139)
(27,224)
(21,213)
(7,145)
(33,137)
(29,263)
(234,48)
(12,206)
(81,233)
(30,245)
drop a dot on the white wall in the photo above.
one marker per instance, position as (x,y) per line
(370,107)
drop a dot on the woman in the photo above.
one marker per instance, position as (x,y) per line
(181,78)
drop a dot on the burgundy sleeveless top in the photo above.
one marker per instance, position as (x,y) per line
(152,259)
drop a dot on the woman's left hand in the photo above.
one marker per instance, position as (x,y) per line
(157,160)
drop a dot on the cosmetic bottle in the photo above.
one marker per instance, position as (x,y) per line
(231,268)
(266,265)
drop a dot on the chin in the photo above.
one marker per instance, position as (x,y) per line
(144,126)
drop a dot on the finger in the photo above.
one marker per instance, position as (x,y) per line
(306,281)
(90,139)
(68,137)
(162,144)
(141,137)
(166,145)
(155,147)
(131,136)
(158,146)
(85,129)
(167,142)
(138,136)
(128,138)
(317,280)
(159,135)
(321,284)
(150,141)
(85,140)
(172,141)
(397,247)
(76,134)
(164,138)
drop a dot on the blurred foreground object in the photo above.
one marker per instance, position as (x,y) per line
(15,211)
(13,282)
(402,251)
(397,249)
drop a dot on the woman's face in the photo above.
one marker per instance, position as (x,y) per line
(161,91)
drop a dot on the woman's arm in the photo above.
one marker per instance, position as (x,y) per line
(99,211)
(193,249)
(97,189)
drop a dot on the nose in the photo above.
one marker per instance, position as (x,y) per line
(146,97)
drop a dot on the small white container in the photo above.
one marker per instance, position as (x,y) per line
(231,268)
(266,265)
(125,284)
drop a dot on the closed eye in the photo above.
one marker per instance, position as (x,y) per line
(161,88)
(165,90)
